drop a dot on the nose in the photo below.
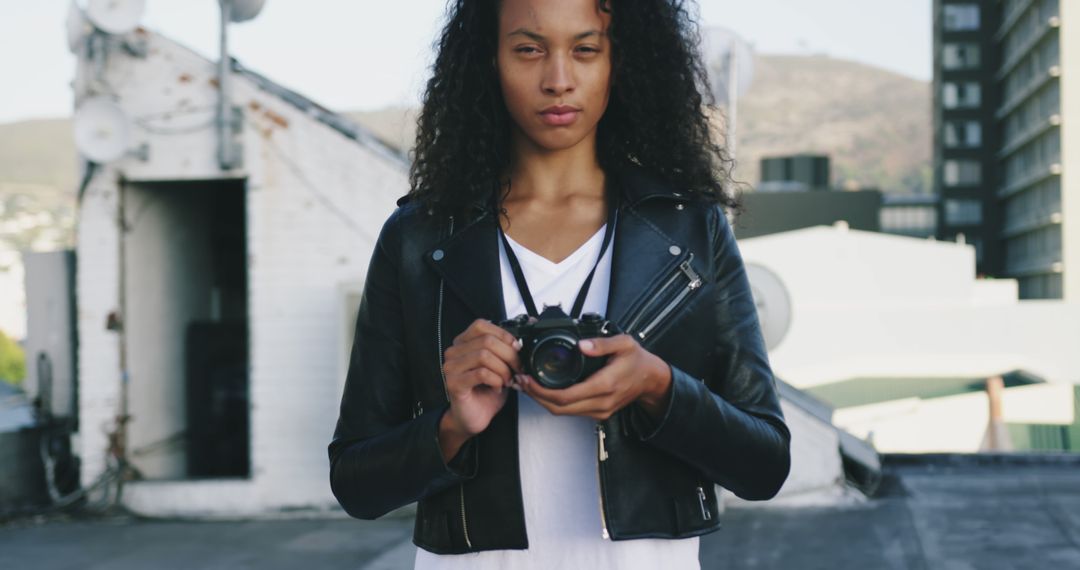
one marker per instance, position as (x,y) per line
(558,75)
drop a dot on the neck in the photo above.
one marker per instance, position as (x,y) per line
(540,175)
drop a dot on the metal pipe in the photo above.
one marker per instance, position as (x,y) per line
(225,158)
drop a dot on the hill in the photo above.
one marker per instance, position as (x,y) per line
(873,123)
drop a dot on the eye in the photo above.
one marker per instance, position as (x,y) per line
(587,49)
(526,49)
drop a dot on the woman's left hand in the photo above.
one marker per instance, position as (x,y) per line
(632,374)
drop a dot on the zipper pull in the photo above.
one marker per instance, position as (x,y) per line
(705,514)
(600,437)
(695,279)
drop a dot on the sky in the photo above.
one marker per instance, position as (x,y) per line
(353,55)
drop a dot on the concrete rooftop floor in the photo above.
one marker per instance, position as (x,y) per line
(938,512)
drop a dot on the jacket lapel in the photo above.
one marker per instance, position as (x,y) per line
(641,257)
(469,263)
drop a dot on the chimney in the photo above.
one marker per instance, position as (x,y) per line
(997,437)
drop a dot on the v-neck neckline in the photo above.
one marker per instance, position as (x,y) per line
(568,260)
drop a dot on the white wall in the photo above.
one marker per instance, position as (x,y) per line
(97,281)
(866,304)
(315,203)
(815,453)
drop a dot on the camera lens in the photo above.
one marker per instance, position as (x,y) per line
(557,361)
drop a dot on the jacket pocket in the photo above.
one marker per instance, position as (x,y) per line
(661,305)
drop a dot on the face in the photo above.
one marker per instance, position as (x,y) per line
(554,64)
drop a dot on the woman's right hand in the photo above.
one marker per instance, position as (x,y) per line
(478,367)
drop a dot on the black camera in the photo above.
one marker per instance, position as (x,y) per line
(549,346)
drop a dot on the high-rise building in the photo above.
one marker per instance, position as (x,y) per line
(965,164)
(1007,137)
(1039,151)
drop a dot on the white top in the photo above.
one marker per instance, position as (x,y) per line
(558,454)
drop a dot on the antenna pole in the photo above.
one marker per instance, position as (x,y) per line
(225,158)
(733,96)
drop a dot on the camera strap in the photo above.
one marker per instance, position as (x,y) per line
(579,302)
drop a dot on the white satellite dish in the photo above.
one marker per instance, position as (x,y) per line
(102,130)
(729,60)
(244,10)
(772,301)
(77,27)
(115,16)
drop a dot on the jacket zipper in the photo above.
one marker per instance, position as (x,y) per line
(438,335)
(693,283)
(601,455)
(705,514)
(641,313)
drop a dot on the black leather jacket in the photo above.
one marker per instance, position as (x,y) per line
(677,283)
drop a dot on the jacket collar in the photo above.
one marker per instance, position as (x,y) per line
(638,185)
(468,260)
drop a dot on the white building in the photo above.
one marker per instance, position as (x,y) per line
(839,304)
(229,286)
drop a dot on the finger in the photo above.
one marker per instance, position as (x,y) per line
(565,396)
(461,384)
(527,384)
(507,353)
(607,345)
(604,381)
(481,327)
(599,407)
(487,358)
(469,332)
(483,377)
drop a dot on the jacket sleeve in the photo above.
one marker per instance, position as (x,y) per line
(729,425)
(381,457)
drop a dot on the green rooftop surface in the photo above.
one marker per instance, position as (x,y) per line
(863,391)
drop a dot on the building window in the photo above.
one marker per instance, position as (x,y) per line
(908,219)
(963,212)
(961,17)
(963,134)
(960,56)
(963,172)
(963,95)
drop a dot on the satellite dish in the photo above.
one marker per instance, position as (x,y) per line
(102,130)
(729,60)
(77,26)
(244,10)
(772,301)
(115,16)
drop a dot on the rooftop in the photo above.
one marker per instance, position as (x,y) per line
(934,511)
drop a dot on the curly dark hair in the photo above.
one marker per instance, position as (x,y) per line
(655,117)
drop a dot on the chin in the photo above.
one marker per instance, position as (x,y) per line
(556,141)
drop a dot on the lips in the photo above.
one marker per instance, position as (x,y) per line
(560,115)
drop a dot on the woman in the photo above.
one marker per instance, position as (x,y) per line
(563,158)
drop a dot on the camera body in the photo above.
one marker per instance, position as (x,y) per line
(549,350)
